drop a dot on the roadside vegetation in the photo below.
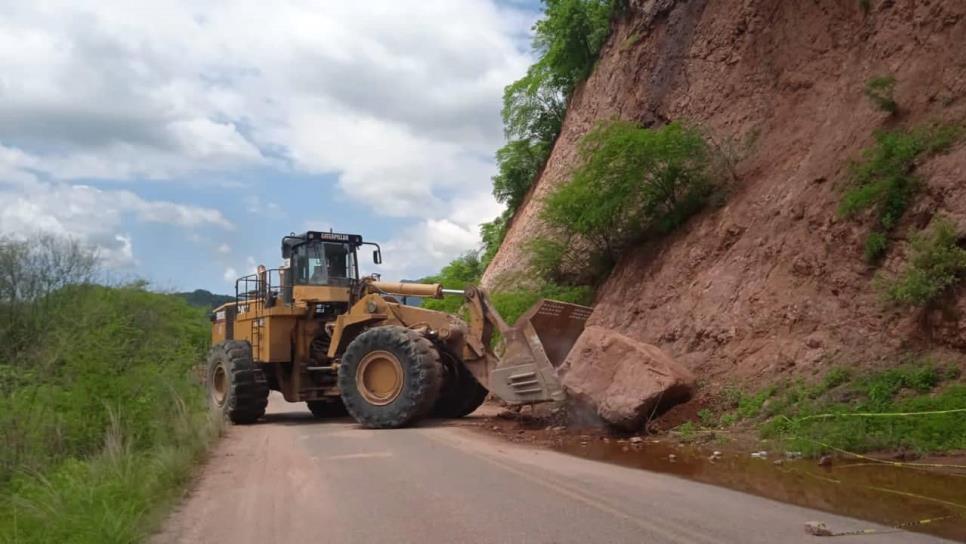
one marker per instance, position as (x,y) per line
(916,407)
(101,416)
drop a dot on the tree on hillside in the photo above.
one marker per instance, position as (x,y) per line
(567,41)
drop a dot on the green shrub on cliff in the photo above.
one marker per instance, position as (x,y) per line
(880,91)
(883,180)
(633,183)
(936,264)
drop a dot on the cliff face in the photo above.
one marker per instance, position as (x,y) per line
(773,282)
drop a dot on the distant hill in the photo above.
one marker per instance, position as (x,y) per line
(205,299)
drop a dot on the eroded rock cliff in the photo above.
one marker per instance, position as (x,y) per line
(772,283)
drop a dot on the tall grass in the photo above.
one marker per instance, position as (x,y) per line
(913,406)
(816,419)
(101,417)
(118,495)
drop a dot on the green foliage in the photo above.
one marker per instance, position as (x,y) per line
(876,246)
(468,269)
(512,304)
(632,183)
(836,377)
(118,348)
(687,430)
(460,272)
(492,234)
(566,40)
(936,264)
(533,109)
(569,38)
(547,258)
(883,180)
(882,388)
(744,405)
(915,386)
(707,419)
(100,415)
(30,270)
(750,406)
(728,420)
(115,496)
(518,162)
(880,91)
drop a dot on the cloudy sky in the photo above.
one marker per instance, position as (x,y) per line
(183,139)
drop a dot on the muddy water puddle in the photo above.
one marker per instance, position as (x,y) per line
(885,494)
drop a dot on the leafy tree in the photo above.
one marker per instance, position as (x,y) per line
(30,270)
(567,41)
(569,37)
(493,234)
(518,162)
(533,108)
(460,272)
(463,270)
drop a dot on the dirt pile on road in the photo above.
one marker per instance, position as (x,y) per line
(772,284)
(625,381)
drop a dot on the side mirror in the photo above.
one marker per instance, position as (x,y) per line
(377,256)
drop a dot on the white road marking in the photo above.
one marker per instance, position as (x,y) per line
(370,455)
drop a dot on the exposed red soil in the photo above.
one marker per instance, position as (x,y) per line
(772,285)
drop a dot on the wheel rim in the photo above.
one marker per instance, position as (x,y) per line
(379,378)
(219,385)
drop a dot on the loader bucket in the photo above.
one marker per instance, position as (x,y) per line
(536,345)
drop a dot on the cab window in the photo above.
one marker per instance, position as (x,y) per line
(325,264)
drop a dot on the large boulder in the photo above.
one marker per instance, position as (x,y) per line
(623,380)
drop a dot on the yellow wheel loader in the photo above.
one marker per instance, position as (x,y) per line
(319,333)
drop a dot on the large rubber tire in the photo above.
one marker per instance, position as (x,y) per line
(420,384)
(461,395)
(323,409)
(236,386)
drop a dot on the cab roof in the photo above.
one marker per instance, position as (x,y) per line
(294,240)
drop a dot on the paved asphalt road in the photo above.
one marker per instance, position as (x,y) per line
(293,479)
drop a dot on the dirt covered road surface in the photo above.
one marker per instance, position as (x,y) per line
(294,479)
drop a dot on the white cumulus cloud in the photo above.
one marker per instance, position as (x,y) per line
(399,100)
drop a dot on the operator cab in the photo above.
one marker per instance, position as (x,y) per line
(323,258)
